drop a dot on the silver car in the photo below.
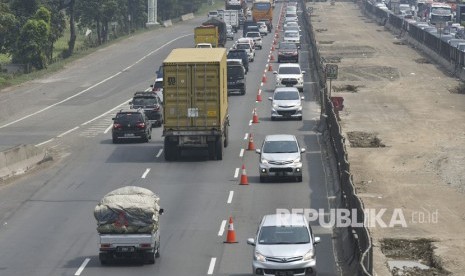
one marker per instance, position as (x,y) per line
(280,157)
(286,103)
(284,245)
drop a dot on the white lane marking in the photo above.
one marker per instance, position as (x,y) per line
(100,116)
(223,225)
(81,268)
(67,132)
(45,142)
(261,84)
(159,153)
(145,173)
(236,173)
(246,136)
(250,122)
(231,194)
(212,266)
(241,153)
(108,129)
(91,87)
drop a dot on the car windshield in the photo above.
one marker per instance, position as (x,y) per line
(287,46)
(158,84)
(128,118)
(286,95)
(283,235)
(243,46)
(291,34)
(289,70)
(253,35)
(144,101)
(280,147)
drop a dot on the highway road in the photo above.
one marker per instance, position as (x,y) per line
(47,226)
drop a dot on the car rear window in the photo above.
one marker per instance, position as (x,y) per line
(145,101)
(243,46)
(128,117)
(287,46)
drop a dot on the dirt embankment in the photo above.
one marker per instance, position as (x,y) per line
(406,139)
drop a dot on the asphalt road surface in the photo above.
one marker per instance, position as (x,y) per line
(47,226)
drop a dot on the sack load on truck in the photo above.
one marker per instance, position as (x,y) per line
(128,210)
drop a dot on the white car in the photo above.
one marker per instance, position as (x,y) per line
(289,74)
(247,40)
(248,48)
(262,28)
(204,45)
(290,24)
(257,38)
(290,17)
(286,103)
(292,37)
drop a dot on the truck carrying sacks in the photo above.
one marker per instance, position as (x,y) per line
(128,210)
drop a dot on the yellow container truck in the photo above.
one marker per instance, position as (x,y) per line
(195,102)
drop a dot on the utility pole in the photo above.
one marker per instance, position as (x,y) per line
(152,13)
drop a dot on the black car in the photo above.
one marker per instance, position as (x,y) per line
(236,77)
(288,52)
(151,103)
(131,124)
(240,54)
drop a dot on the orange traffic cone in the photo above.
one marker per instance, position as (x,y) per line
(270,68)
(259,96)
(251,145)
(272,58)
(272,47)
(244,179)
(231,237)
(255,116)
(264,78)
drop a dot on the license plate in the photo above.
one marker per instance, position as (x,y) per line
(284,273)
(125,249)
(129,135)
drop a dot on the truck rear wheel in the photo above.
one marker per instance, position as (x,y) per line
(103,258)
(219,149)
(226,136)
(150,257)
(171,151)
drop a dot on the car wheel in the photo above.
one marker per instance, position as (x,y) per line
(299,178)
(145,138)
(150,258)
(300,118)
(273,118)
(243,91)
(262,179)
(115,140)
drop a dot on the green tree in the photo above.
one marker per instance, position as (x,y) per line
(9,29)
(31,47)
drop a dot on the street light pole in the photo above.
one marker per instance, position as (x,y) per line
(152,13)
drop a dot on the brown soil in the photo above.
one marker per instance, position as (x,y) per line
(418,110)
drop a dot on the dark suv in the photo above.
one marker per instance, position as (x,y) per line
(131,124)
(288,52)
(240,54)
(236,76)
(151,103)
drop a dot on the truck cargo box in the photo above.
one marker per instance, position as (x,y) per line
(195,89)
(195,98)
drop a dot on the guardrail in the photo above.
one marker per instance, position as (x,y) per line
(361,257)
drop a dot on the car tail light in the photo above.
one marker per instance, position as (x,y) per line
(295,53)
(145,245)
(140,125)
(117,126)
(156,107)
(105,245)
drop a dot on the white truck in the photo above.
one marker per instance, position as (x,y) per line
(230,17)
(127,223)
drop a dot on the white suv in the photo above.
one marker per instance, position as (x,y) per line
(289,74)
(284,245)
(257,38)
(286,103)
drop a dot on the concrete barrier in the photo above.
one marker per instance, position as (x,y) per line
(167,23)
(19,159)
(187,16)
